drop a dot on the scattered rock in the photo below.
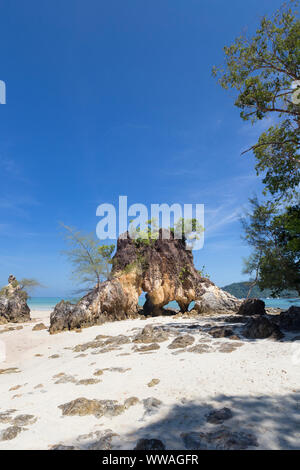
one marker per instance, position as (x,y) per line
(149,444)
(222,439)
(104,442)
(214,299)
(131,401)
(252,307)
(87,382)
(151,405)
(220,332)
(219,416)
(24,420)
(5,416)
(290,320)
(200,348)
(39,326)
(151,334)
(153,382)
(54,356)
(181,342)
(98,372)
(229,347)
(147,347)
(10,433)
(16,387)
(62,447)
(83,406)
(10,370)
(261,327)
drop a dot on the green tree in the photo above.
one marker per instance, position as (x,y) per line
(274,235)
(265,71)
(91,261)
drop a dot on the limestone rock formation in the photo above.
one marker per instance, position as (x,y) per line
(163,268)
(216,300)
(13,303)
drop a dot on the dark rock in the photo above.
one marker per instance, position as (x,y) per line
(220,332)
(252,307)
(149,444)
(221,439)
(13,303)
(261,327)
(63,447)
(181,342)
(290,320)
(219,416)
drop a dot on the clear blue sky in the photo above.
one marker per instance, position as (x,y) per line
(116,97)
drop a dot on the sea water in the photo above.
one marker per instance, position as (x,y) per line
(48,303)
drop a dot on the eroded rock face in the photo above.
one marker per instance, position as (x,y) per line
(162,268)
(13,303)
(216,300)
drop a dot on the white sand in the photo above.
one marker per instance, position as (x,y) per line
(259,382)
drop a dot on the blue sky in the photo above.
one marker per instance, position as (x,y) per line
(109,98)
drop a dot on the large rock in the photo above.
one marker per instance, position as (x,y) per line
(252,307)
(13,303)
(215,299)
(261,327)
(162,268)
(290,320)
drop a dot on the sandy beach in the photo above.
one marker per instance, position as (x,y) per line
(258,380)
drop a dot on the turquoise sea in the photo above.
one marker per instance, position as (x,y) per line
(48,303)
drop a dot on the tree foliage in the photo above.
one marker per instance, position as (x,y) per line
(91,262)
(265,71)
(274,235)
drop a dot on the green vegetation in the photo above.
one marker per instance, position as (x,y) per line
(241,289)
(25,286)
(265,71)
(91,261)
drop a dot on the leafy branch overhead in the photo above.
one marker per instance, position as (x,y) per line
(265,71)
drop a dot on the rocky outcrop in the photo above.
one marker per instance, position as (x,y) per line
(252,307)
(261,327)
(163,268)
(215,299)
(290,320)
(13,303)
